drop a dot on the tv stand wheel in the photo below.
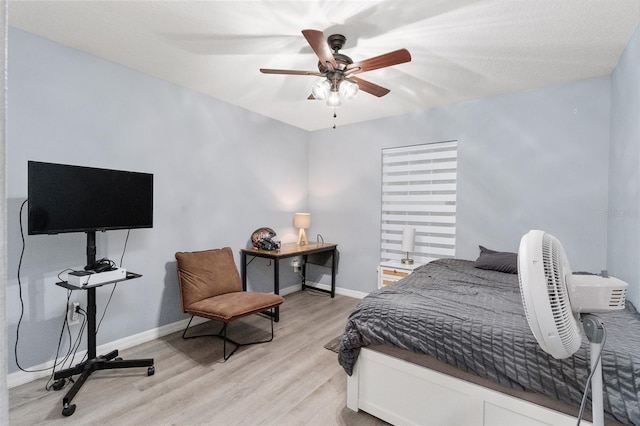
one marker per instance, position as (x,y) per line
(68,410)
(151,371)
(58,384)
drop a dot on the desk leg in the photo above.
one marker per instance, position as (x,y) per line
(304,272)
(276,287)
(243,269)
(333,273)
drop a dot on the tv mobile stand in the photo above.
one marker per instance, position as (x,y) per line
(93,362)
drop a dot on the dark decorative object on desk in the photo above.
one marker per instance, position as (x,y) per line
(263,239)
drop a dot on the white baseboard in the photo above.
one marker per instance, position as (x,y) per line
(21,377)
(339,290)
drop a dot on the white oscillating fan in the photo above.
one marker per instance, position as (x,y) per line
(556,301)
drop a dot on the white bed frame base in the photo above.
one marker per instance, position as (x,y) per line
(400,392)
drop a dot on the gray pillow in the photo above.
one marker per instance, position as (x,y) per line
(501,261)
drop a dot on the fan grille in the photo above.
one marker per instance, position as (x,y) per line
(552,256)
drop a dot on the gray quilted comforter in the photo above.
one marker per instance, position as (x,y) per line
(473,319)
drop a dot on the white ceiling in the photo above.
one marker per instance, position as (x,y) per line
(461,49)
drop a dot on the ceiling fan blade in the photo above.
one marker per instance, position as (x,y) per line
(388,59)
(292,72)
(369,87)
(319,45)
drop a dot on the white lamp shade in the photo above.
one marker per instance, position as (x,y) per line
(408,237)
(302,220)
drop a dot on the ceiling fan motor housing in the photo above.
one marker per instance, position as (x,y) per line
(336,41)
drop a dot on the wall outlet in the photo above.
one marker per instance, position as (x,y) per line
(73,317)
(296,265)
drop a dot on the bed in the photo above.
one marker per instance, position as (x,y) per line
(450,344)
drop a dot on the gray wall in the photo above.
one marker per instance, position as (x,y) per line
(624,170)
(531,160)
(537,159)
(220,172)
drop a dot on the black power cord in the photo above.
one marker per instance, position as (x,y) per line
(73,347)
(71,352)
(115,285)
(15,347)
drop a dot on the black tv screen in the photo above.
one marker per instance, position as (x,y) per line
(66,198)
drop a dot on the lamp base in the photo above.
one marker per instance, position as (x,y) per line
(407,261)
(302,238)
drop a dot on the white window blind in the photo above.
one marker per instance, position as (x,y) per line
(419,191)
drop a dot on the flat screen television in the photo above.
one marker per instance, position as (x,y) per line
(66,198)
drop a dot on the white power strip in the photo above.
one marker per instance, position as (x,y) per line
(83,278)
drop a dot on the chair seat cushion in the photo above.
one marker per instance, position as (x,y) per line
(230,306)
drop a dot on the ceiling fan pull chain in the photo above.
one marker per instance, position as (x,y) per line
(334,117)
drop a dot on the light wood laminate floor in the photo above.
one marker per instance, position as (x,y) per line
(290,381)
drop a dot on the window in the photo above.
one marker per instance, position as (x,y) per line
(419,191)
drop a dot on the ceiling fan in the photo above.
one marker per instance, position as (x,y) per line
(339,69)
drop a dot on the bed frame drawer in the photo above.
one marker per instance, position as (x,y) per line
(403,393)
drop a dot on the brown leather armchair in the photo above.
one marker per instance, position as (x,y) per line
(210,287)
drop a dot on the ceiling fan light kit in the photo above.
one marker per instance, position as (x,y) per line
(334,99)
(348,89)
(334,91)
(321,90)
(338,69)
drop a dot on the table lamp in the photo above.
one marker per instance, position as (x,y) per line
(408,237)
(302,221)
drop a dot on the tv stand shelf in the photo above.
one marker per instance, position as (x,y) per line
(65,284)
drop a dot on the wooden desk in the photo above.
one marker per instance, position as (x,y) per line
(291,250)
